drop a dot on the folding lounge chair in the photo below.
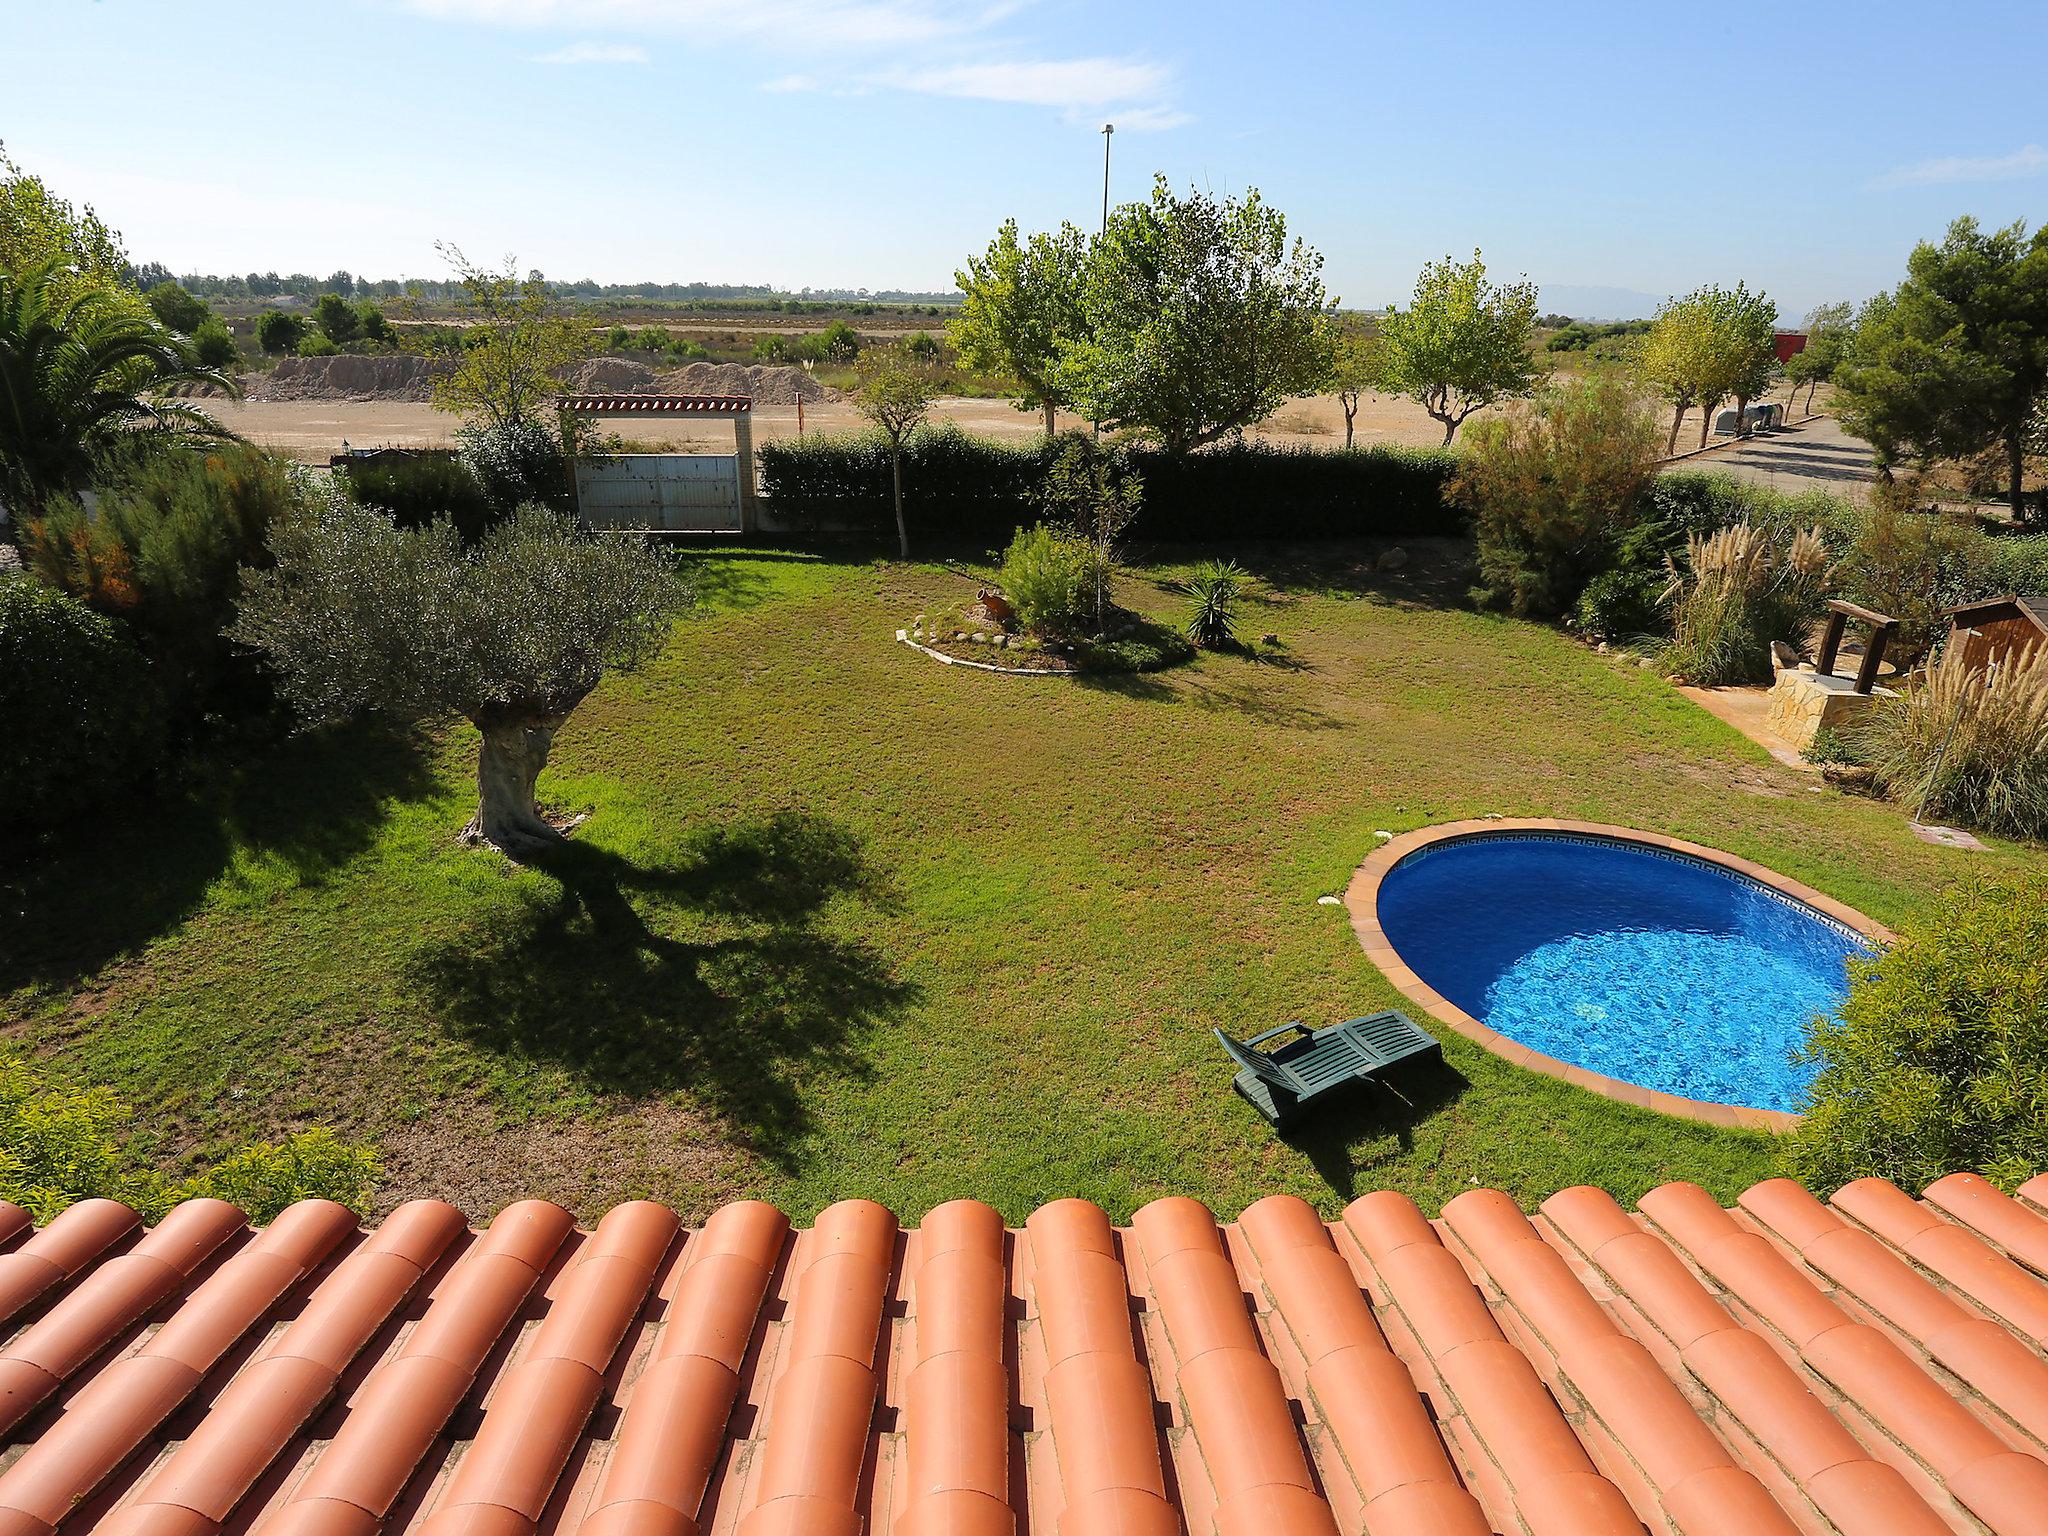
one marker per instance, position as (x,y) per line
(1282,1082)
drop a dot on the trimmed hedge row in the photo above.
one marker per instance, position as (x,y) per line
(964,487)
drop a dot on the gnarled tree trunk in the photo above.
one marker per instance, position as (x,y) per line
(1677,420)
(509,760)
(1052,418)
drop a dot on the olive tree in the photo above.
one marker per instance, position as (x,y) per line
(1021,299)
(1462,342)
(1357,364)
(895,393)
(360,616)
(1712,345)
(1199,319)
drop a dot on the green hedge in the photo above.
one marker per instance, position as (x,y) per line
(960,487)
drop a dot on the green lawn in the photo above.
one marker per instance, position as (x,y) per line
(847,922)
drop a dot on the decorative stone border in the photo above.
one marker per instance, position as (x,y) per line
(983,666)
(1361,898)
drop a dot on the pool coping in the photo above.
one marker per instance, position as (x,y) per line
(1361,899)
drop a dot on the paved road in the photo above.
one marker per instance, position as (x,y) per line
(1816,456)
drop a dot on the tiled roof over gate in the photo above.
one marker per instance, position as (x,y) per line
(1872,1364)
(655,405)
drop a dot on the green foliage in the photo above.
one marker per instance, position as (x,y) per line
(618,338)
(895,393)
(1462,343)
(83,717)
(336,318)
(1023,302)
(372,325)
(80,374)
(39,228)
(418,488)
(60,1145)
(279,331)
(359,615)
(1049,576)
(265,1177)
(1938,1058)
(1829,328)
(1914,566)
(177,309)
(1955,360)
(1213,588)
(514,463)
(1970,748)
(838,343)
(981,490)
(1712,345)
(1551,486)
(1741,588)
(1357,363)
(1626,601)
(317,344)
(164,551)
(1579,336)
(522,336)
(1199,319)
(214,344)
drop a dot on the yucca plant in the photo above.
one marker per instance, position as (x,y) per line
(1215,586)
(1741,588)
(77,372)
(1967,744)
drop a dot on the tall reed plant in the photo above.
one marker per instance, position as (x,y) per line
(1741,588)
(1967,744)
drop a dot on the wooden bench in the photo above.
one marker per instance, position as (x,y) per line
(1282,1082)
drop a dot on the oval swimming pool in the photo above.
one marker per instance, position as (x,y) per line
(1647,965)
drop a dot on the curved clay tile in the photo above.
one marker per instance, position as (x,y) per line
(823,1405)
(1751,1386)
(2004,1490)
(1870,1367)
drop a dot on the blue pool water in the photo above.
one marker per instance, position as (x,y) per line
(1649,967)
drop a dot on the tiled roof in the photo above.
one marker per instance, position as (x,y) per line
(655,405)
(1869,1365)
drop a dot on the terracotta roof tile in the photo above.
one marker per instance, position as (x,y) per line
(1870,1365)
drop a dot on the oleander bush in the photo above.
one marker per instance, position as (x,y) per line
(1937,1059)
(417,488)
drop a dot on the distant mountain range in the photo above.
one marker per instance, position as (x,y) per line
(1583,303)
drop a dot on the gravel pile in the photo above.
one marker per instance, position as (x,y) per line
(768,385)
(612,376)
(386,376)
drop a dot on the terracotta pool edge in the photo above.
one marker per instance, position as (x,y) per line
(1361,901)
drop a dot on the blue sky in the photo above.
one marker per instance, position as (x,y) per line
(1803,147)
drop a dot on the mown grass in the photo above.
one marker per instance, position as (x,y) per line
(844,921)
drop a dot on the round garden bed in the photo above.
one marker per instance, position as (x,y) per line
(982,636)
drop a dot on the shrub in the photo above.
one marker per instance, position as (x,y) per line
(1626,601)
(314,344)
(1213,588)
(618,338)
(983,490)
(1552,486)
(1742,588)
(83,718)
(215,343)
(651,338)
(838,343)
(683,350)
(1938,1057)
(417,488)
(1913,566)
(172,531)
(517,463)
(372,326)
(1970,748)
(60,1145)
(265,1177)
(1049,576)
(181,311)
(278,332)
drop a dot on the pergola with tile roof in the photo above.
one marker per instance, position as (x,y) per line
(1871,1364)
(737,409)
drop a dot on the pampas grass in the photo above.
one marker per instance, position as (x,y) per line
(1742,588)
(1994,774)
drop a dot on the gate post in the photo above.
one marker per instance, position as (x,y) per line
(743,447)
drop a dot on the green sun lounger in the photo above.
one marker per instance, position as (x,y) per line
(1282,1082)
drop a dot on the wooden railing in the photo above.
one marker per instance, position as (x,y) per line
(1882,632)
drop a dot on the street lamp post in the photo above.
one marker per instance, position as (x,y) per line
(1107,130)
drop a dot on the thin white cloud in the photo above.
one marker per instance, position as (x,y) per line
(817,23)
(788,85)
(1150,119)
(2027,161)
(595,53)
(1045,83)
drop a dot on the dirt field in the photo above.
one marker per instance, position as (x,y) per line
(313,430)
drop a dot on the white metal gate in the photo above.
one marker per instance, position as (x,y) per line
(681,492)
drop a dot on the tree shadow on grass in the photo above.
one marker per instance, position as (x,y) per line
(107,885)
(759,998)
(1373,1113)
